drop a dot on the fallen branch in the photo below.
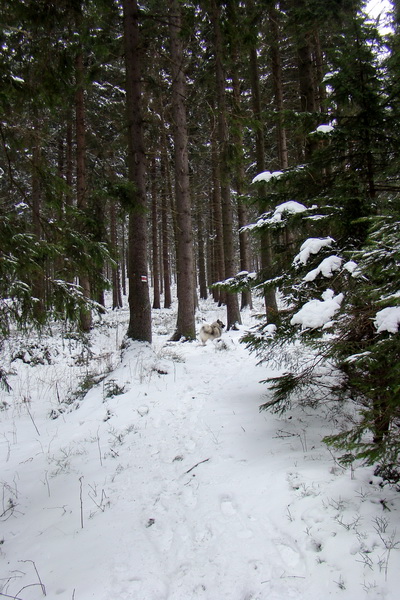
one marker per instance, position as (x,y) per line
(197,464)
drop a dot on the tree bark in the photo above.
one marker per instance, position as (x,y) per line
(266,242)
(239,176)
(277,85)
(218,267)
(165,235)
(305,67)
(154,233)
(81,191)
(38,283)
(139,301)
(201,254)
(185,326)
(233,312)
(115,275)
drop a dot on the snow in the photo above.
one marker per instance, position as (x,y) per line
(290,207)
(323,129)
(156,477)
(311,246)
(351,267)
(317,313)
(327,268)
(267,176)
(328,76)
(388,319)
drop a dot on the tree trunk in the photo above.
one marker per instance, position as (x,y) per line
(154,233)
(69,162)
(244,246)
(116,280)
(185,326)
(233,312)
(123,257)
(266,242)
(139,301)
(218,270)
(165,235)
(201,254)
(38,283)
(81,191)
(307,88)
(278,86)
(319,68)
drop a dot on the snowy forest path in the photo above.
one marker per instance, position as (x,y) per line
(162,481)
(192,524)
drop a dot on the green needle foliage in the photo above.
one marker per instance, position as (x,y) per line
(349,189)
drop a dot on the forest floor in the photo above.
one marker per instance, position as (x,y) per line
(148,473)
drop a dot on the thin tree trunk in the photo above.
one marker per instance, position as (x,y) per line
(201,254)
(165,237)
(307,88)
(218,270)
(139,301)
(81,191)
(233,312)
(277,85)
(266,242)
(123,257)
(38,283)
(115,275)
(69,162)
(185,326)
(244,246)
(319,68)
(154,232)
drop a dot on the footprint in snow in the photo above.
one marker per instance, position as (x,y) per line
(143,410)
(188,497)
(289,555)
(227,507)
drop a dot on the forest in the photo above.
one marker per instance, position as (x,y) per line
(232,148)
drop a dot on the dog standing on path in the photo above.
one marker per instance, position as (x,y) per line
(211,331)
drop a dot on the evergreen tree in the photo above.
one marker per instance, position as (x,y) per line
(185,326)
(39,263)
(139,301)
(338,282)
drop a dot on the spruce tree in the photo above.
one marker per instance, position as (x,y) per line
(139,301)
(346,210)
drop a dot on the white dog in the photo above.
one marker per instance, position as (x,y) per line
(211,331)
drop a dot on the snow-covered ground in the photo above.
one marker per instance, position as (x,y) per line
(163,481)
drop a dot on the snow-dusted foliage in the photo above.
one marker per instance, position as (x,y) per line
(334,263)
(318,313)
(311,246)
(388,319)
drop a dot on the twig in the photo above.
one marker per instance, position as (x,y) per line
(17,597)
(30,414)
(98,446)
(197,464)
(38,576)
(81,499)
